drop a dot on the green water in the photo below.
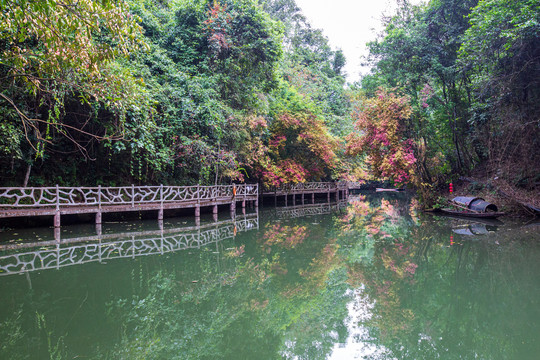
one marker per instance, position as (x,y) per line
(371,279)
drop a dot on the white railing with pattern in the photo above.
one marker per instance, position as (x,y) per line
(308,187)
(60,196)
(355,184)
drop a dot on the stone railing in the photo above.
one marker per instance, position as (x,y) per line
(60,196)
(311,187)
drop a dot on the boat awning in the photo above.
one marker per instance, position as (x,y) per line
(475,203)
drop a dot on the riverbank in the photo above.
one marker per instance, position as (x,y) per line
(514,201)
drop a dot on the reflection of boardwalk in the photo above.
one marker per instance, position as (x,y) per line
(54,254)
(310,209)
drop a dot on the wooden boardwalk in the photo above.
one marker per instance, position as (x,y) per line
(57,201)
(302,190)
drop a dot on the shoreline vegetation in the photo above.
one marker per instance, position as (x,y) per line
(213,92)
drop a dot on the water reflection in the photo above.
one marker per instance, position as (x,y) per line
(58,253)
(290,212)
(373,278)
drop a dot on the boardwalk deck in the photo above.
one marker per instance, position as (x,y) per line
(57,201)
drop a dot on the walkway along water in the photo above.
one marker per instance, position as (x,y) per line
(57,201)
(339,189)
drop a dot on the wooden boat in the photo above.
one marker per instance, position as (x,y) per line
(472,207)
(474,214)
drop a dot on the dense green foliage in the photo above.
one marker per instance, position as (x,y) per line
(175,92)
(471,72)
(203,91)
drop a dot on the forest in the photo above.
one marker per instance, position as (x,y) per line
(181,92)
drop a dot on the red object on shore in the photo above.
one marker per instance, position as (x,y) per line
(451,188)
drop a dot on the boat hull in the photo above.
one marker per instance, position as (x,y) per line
(486,215)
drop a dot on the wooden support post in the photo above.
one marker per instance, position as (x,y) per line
(233,210)
(57,219)
(275,199)
(99,229)
(285,199)
(215,217)
(302,198)
(243,203)
(132,195)
(293,199)
(328,195)
(160,214)
(215,209)
(256,203)
(197,211)
(98,218)
(313,198)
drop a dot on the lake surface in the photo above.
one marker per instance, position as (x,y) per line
(370,278)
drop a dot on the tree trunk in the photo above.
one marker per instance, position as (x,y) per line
(27,176)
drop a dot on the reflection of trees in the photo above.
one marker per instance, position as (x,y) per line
(283,294)
(290,290)
(436,300)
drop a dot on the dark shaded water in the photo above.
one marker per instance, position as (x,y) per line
(371,279)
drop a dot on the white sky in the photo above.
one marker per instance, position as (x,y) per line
(349,25)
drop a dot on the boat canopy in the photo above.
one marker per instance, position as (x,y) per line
(475,203)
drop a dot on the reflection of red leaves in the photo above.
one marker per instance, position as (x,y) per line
(285,236)
(278,269)
(256,305)
(292,292)
(236,251)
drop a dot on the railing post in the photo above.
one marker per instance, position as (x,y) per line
(233,202)
(57,198)
(132,195)
(57,213)
(257,198)
(198,207)
(98,214)
(160,214)
(99,197)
